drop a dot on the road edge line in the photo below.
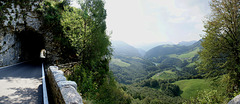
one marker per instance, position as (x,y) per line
(45,96)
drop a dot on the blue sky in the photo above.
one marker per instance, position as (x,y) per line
(141,22)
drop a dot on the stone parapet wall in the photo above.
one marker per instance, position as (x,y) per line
(235,100)
(63,91)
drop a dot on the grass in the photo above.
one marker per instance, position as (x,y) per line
(191,87)
(165,75)
(186,56)
(191,64)
(178,68)
(120,63)
(190,54)
(137,58)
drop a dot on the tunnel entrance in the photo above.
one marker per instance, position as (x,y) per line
(31,45)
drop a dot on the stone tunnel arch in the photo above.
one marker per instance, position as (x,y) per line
(31,44)
(22,35)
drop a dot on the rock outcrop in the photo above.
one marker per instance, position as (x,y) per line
(19,17)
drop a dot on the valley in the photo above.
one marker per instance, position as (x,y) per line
(165,70)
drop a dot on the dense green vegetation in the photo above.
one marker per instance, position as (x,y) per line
(128,70)
(81,32)
(146,95)
(166,74)
(155,75)
(169,74)
(220,53)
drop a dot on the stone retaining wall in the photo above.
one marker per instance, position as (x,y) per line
(64,92)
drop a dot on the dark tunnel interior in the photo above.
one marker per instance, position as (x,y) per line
(31,45)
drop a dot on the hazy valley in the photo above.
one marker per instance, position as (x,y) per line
(159,68)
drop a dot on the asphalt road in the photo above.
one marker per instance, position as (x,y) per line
(21,84)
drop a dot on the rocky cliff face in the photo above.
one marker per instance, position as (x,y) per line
(21,33)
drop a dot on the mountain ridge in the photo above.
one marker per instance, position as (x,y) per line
(163,50)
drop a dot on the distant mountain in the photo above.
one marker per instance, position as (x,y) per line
(123,49)
(187,43)
(148,46)
(163,61)
(142,52)
(163,50)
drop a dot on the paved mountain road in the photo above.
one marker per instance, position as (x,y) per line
(21,84)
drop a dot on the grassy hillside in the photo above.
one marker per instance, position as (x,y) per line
(165,75)
(131,69)
(192,86)
(186,56)
(163,50)
(119,62)
(174,51)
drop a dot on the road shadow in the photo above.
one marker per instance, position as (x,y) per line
(23,96)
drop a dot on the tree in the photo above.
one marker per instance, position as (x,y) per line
(86,29)
(94,28)
(221,43)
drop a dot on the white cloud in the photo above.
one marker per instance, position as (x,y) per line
(129,22)
(149,21)
(176,19)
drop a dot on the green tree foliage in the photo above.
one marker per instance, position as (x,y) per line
(52,11)
(209,97)
(146,95)
(83,31)
(52,14)
(86,30)
(164,85)
(221,43)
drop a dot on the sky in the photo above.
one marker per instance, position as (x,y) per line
(141,22)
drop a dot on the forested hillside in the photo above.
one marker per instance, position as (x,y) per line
(127,64)
(168,64)
(164,50)
(146,74)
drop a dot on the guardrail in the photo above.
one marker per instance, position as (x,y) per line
(45,95)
